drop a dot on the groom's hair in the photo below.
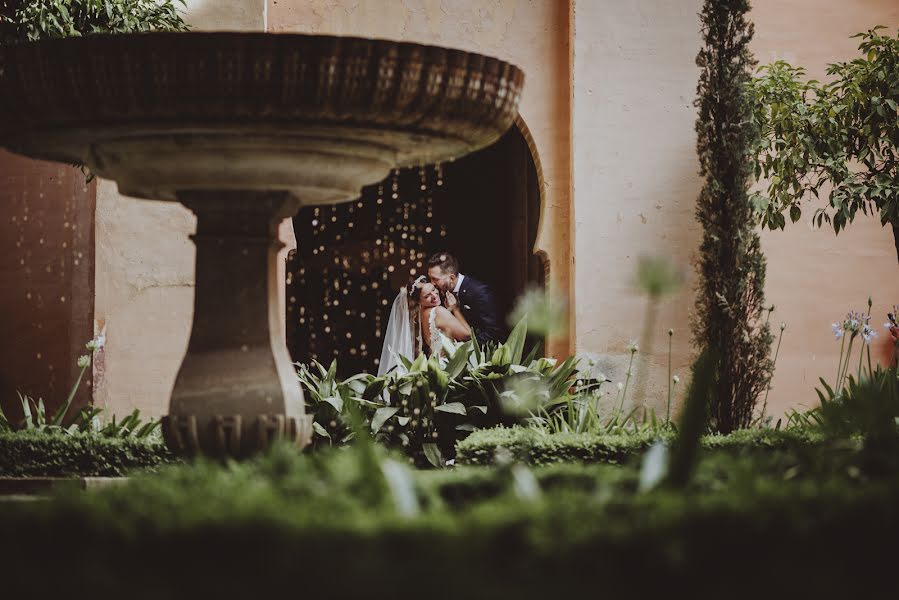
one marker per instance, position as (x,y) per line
(446,261)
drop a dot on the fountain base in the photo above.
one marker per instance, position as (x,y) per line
(236,389)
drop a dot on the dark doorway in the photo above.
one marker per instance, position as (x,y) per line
(352,258)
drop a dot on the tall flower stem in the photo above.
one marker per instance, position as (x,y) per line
(861,356)
(627,380)
(840,364)
(668,410)
(842,377)
(773,367)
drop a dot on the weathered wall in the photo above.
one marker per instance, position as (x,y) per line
(635,174)
(636,181)
(531,35)
(46,281)
(145,267)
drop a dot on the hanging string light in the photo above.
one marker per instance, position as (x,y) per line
(355,257)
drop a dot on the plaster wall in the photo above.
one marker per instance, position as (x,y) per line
(636,181)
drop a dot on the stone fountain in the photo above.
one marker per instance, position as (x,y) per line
(243,129)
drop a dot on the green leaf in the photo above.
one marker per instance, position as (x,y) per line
(336,402)
(452,407)
(317,428)
(515,342)
(433,454)
(381,416)
(457,363)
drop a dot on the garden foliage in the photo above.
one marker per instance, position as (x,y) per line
(730,302)
(41,19)
(426,405)
(509,531)
(38,454)
(526,445)
(841,136)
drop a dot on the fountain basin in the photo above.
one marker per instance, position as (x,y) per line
(318,116)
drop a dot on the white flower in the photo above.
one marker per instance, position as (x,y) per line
(84,361)
(868,334)
(837,330)
(675,379)
(96,343)
(620,386)
(633,347)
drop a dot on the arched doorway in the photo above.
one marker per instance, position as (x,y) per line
(484,208)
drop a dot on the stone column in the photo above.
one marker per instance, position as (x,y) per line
(236,388)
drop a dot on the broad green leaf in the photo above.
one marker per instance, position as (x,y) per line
(452,407)
(433,454)
(381,416)
(515,342)
(336,402)
(317,428)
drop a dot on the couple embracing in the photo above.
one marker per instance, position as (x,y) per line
(442,305)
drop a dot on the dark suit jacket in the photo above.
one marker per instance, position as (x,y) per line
(479,309)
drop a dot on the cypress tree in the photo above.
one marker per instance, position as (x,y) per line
(728,320)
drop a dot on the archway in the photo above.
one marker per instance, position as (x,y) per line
(484,208)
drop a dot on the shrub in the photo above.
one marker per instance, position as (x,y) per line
(482,447)
(426,405)
(287,522)
(36,454)
(731,264)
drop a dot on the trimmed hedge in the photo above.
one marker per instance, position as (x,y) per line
(332,527)
(35,454)
(532,447)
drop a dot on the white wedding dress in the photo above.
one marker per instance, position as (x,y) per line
(400,339)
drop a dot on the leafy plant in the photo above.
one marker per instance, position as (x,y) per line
(42,19)
(35,418)
(843,133)
(425,405)
(730,302)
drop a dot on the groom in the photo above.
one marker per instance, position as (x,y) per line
(462,292)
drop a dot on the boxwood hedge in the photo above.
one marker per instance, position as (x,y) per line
(533,447)
(36,454)
(334,527)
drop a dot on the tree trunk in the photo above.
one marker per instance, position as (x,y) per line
(895,225)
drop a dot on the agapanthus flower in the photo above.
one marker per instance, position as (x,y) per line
(675,379)
(837,330)
(633,347)
(84,361)
(868,334)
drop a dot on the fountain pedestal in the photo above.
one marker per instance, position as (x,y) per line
(243,128)
(236,389)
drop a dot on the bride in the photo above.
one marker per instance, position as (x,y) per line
(418,323)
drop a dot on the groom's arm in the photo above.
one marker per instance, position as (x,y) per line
(491,329)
